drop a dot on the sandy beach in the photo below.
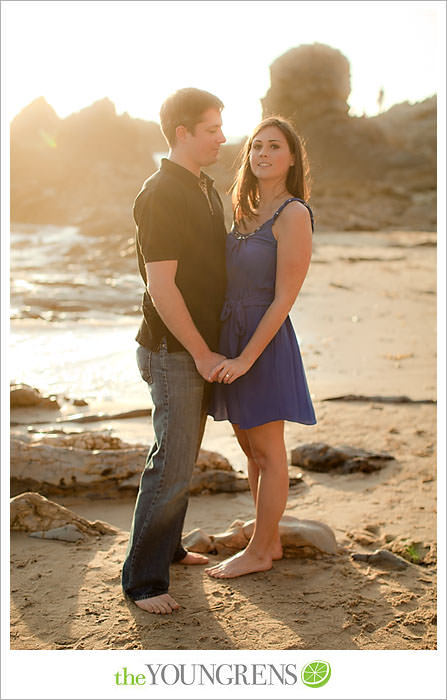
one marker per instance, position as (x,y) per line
(366,321)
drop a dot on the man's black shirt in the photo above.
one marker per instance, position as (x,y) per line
(177,221)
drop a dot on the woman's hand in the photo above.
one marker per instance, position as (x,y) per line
(228,370)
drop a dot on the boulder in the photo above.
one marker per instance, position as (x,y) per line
(25,396)
(296,537)
(32,512)
(320,457)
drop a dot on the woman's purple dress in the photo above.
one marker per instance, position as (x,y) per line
(275,387)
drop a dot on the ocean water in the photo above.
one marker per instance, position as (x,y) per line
(73,325)
(92,359)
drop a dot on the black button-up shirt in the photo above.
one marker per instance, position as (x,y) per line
(180,217)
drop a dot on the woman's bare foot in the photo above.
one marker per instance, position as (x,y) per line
(193,558)
(276,550)
(159,604)
(240,564)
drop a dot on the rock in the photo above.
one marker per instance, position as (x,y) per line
(197,541)
(66,533)
(91,462)
(54,469)
(32,512)
(378,399)
(383,559)
(320,457)
(79,402)
(307,533)
(295,535)
(216,481)
(84,441)
(212,460)
(24,396)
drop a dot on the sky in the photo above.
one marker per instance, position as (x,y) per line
(137,53)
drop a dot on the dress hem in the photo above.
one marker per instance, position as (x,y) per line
(272,420)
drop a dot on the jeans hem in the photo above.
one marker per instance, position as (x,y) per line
(143,596)
(181,556)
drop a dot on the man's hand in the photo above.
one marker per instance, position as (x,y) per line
(205,363)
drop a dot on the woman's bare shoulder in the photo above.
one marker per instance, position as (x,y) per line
(294,216)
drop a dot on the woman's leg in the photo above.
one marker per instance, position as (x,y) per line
(252,467)
(268,451)
(253,480)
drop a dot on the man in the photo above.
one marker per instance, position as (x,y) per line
(181,256)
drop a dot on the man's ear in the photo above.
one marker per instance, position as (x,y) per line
(180,133)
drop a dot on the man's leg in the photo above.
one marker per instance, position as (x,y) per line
(177,392)
(181,552)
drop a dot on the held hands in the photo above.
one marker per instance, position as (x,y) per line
(228,370)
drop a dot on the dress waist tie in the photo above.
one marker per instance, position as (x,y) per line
(234,309)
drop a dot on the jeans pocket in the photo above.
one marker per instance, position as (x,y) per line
(144,363)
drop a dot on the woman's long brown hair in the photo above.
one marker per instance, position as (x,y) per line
(245,190)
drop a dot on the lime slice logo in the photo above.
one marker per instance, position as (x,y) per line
(316,674)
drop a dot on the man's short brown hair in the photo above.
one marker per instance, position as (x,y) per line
(185,107)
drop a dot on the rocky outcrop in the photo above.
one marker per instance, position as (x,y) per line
(368,173)
(85,169)
(103,465)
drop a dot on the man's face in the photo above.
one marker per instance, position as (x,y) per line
(204,144)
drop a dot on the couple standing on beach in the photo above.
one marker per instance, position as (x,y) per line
(216,337)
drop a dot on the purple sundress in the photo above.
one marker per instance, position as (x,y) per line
(275,387)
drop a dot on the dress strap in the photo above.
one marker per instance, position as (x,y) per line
(294,199)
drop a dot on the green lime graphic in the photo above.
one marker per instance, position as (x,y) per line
(316,674)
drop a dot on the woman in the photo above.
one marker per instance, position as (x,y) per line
(262,383)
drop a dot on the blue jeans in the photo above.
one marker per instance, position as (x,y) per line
(180,396)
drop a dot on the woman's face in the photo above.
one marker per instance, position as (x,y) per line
(270,156)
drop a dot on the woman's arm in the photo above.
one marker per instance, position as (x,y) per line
(294,236)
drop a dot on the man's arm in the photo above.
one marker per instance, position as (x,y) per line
(174,313)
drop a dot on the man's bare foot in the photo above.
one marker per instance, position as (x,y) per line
(240,564)
(159,604)
(193,558)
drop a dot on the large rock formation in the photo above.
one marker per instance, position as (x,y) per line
(368,173)
(85,169)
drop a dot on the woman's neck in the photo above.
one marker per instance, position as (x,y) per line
(270,193)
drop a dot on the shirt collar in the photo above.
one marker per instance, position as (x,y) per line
(186,175)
